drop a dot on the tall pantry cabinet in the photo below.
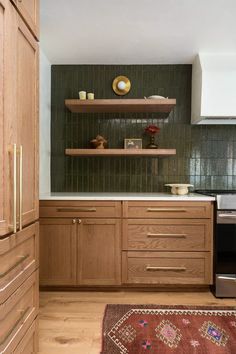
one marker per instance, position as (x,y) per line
(18,176)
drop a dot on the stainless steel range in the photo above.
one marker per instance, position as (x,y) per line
(224,242)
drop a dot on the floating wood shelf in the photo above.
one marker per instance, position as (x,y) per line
(121,105)
(120,152)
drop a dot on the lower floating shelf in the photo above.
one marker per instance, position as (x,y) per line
(120,152)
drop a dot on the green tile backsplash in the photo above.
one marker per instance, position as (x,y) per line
(206,155)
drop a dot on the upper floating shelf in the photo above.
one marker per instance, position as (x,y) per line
(121,105)
(120,152)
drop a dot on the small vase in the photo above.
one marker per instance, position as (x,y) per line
(152,144)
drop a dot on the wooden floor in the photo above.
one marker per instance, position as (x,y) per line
(70,322)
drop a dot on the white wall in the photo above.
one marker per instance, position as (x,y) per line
(44,124)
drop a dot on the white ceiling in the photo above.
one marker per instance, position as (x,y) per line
(136,31)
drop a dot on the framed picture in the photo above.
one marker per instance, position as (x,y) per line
(133,143)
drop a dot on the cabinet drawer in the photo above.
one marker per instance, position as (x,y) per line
(18,259)
(166,268)
(174,210)
(18,312)
(167,235)
(80,209)
(29,343)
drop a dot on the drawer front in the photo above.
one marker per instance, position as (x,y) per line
(172,210)
(29,343)
(80,209)
(167,235)
(18,312)
(18,259)
(166,268)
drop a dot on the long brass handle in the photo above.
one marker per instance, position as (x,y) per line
(166,209)
(23,313)
(14,188)
(150,235)
(76,209)
(181,269)
(21,186)
(22,259)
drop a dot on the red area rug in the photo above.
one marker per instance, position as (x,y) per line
(138,329)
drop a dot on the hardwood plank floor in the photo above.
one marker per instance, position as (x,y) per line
(71,322)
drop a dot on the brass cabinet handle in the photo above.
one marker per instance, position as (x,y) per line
(74,221)
(150,235)
(22,259)
(149,268)
(166,209)
(15,325)
(14,188)
(79,221)
(21,187)
(76,209)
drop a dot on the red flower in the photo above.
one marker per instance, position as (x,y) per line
(152,129)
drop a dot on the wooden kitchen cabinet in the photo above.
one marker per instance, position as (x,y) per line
(26,96)
(18,122)
(167,242)
(29,343)
(84,250)
(8,19)
(99,252)
(58,245)
(18,178)
(29,10)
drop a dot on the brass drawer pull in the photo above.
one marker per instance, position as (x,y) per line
(22,259)
(166,209)
(181,269)
(23,313)
(150,235)
(71,210)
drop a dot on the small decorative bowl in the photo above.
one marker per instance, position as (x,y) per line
(179,188)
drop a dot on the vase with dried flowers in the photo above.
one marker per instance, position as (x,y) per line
(152,130)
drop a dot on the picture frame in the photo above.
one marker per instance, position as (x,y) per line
(131,143)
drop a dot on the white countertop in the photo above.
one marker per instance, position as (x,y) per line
(126,196)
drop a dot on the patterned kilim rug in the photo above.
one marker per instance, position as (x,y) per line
(137,329)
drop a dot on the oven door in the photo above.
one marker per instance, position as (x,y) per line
(225,254)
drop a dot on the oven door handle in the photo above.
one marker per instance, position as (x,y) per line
(227,216)
(227,278)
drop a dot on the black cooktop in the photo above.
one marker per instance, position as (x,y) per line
(214,192)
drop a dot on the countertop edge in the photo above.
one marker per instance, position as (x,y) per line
(135,197)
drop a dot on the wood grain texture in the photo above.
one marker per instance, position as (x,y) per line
(26,66)
(99,252)
(120,152)
(18,312)
(167,234)
(120,105)
(58,256)
(166,268)
(71,322)
(29,343)
(80,209)
(169,210)
(7,114)
(29,10)
(18,259)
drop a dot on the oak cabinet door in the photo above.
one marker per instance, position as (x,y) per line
(7,114)
(57,244)
(26,81)
(99,252)
(29,10)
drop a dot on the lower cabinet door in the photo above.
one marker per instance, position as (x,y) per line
(99,252)
(57,245)
(17,314)
(29,344)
